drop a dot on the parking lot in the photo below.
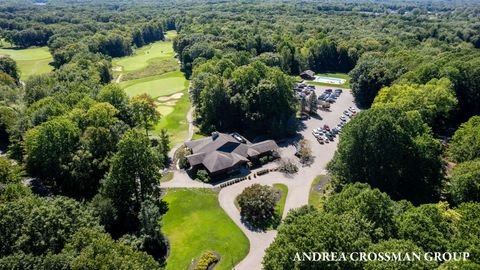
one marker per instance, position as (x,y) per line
(331,117)
(326,128)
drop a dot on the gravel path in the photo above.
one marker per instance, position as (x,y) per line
(298,184)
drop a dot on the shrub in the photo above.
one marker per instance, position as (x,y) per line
(181,156)
(288,167)
(304,152)
(257,204)
(264,160)
(208,258)
(262,172)
(203,176)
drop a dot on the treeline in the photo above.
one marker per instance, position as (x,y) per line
(76,136)
(363,219)
(98,28)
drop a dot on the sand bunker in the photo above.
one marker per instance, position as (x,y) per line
(169,103)
(174,96)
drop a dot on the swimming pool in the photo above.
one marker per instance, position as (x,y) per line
(329,80)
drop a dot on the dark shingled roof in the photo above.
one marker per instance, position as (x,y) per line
(222,151)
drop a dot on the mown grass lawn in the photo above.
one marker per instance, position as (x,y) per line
(176,121)
(281,203)
(142,56)
(195,223)
(30,61)
(333,75)
(156,86)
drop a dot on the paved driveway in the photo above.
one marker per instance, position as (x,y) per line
(298,184)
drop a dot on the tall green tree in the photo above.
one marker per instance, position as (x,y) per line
(464,183)
(134,173)
(371,204)
(144,111)
(391,150)
(49,148)
(41,225)
(465,143)
(9,67)
(435,100)
(307,230)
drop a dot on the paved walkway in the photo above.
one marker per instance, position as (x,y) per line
(298,184)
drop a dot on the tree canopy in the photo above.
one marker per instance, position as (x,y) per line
(391,150)
(465,144)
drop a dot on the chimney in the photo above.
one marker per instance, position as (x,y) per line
(214,135)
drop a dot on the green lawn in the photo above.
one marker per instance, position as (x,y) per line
(333,75)
(152,60)
(156,86)
(195,223)
(30,61)
(176,121)
(142,56)
(197,136)
(281,203)
(317,198)
(165,110)
(167,177)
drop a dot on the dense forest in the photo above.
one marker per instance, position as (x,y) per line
(93,168)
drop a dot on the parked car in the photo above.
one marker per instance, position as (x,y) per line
(352,109)
(338,91)
(334,130)
(320,140)
(347,113)
(326,127)
(343,118)
(330,100)
(328,90)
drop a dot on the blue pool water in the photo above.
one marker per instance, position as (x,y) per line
(329,80)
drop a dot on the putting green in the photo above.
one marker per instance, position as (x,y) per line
(142,56)
(156,86)
(30,61)
(195,223)
(164,110)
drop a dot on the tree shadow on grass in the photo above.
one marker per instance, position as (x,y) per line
(262,226)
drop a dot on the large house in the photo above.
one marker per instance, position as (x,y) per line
(225,153)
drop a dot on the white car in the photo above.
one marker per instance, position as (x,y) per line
(347,113)
(343,118)
(352,109)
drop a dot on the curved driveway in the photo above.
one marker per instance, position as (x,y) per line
(298,184)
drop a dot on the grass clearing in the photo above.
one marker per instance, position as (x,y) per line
(167,177)
(155,67)
(30,61)
(333,75)
(156,86)
(144,55)
(317,196)
(195,223)
(281,203)
(197,136)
